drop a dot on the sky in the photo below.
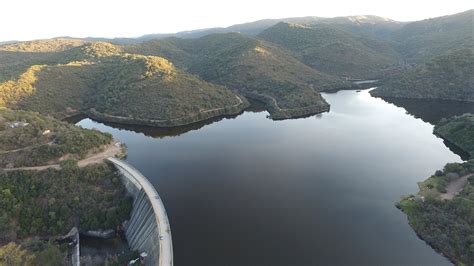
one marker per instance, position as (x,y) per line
(38,19)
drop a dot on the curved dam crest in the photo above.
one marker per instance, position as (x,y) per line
(148,229)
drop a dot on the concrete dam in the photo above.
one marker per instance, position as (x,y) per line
(148,229)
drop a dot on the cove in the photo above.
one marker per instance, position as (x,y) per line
(247,190)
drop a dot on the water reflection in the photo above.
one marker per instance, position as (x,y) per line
(432,111)
(310,191)
(161,132)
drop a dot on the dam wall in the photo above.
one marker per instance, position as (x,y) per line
(148,229)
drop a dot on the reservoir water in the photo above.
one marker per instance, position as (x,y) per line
(320,190)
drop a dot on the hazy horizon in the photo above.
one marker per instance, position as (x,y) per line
(114,19)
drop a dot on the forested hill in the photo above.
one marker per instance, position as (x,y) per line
(254,67)
(439,53)
(458,130)
(333,51)
(175,81)
(119,87)
(449,76)
(30,139)
(419,41)
(38,206)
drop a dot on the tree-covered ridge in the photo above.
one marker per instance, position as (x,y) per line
(445,224)
(250,66)
(331,50)
(272,67)
(448,76)
(14,90)
(30,139)
(458,130)
(42,46)
(132,88)
(419,41)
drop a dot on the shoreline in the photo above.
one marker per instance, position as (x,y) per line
(278,113)
(457,146)
(375,94)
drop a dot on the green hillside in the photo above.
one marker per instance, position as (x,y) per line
(447,225)
(332,50)
(16,58)
(449,76)
(43,46)
(421,40)
(38,206)
(458,130)
(253,67)
(106,83)
(30,139)
(285,67)
(377,27)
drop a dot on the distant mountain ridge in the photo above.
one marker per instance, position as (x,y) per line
(332,50)
(284,63)
(249,28)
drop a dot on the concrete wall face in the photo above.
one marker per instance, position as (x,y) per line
(141,230)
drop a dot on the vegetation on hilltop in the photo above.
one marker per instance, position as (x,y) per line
(30,139)
(49,203)
(250,66)
(13,64)
(37,207)
(446,225)
(143,90)
(364,25)
(83,75)
(448,76)
(331,50)
(14,90)
(458,130)
(42,46)
(168,48)
(421,40)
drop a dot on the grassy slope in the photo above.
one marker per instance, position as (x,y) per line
(251,66)
(34,148)
(143,87)
(448,226)
(332,50)
(458,130)
(448,76)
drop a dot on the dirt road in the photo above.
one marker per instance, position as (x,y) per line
(454,187)
(110,151)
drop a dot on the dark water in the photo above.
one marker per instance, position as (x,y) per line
(315,191)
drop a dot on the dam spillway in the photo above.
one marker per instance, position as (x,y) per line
(148,229)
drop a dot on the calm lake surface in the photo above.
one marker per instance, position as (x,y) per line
(313,191)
